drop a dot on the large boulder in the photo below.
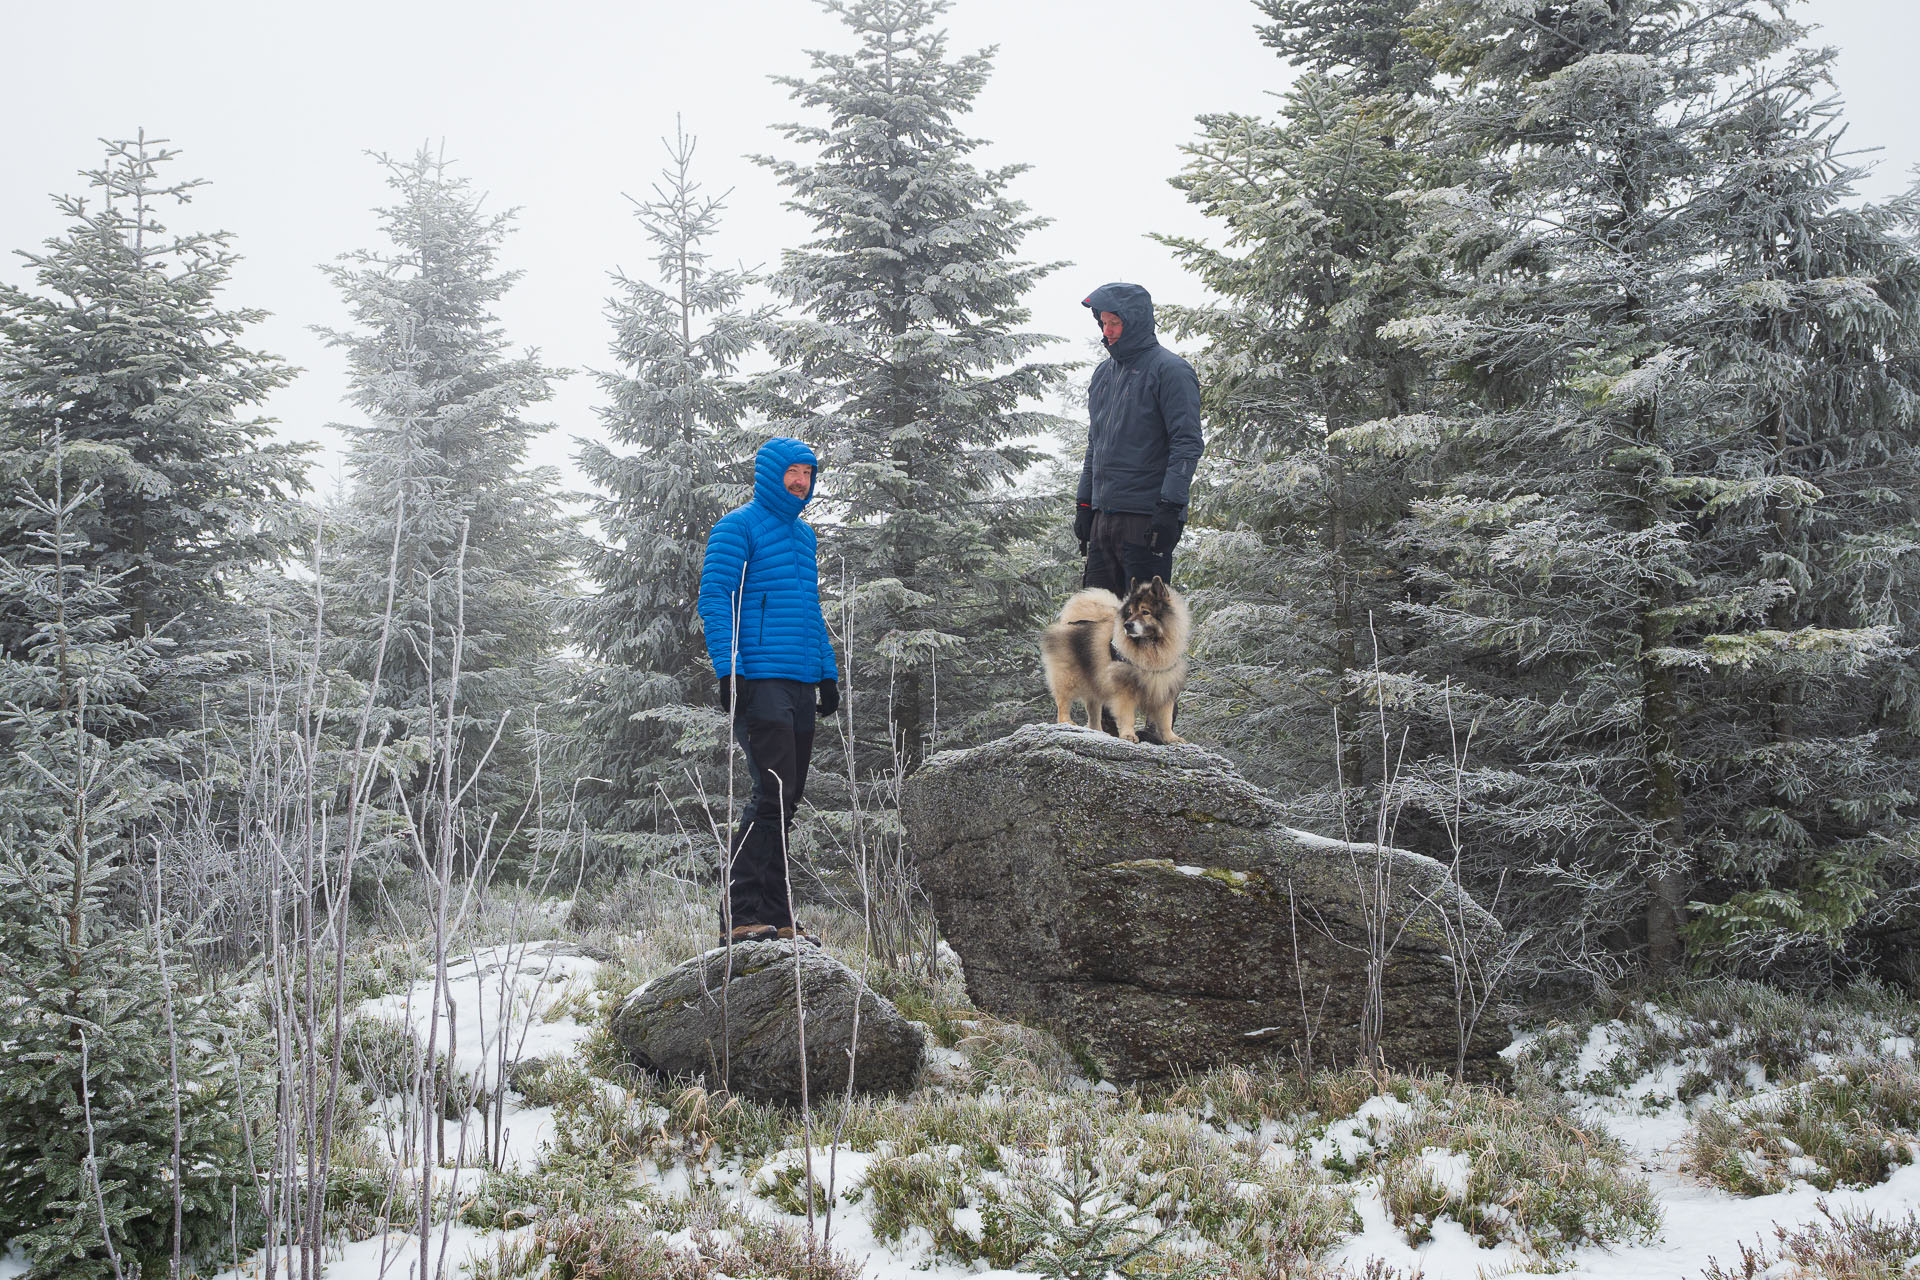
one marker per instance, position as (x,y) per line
(1149,905)
(744,998)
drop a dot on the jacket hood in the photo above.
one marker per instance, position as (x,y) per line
(770,472)
(1134,306)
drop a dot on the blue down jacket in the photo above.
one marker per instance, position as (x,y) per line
(1143,414)
(761,565)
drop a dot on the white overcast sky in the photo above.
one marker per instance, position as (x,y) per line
(557,110)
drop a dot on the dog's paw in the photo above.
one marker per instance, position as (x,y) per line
(1173,739)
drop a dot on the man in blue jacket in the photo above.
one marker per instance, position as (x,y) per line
(1143,443)
(760,605)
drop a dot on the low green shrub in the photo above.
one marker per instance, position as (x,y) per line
(1516,1170)
(360,1203)
(686,1240)
(381,1056)
(1079,1226)
(515,1256)
(1847,1126)
(927,1190)
(549,1082)
(1253,1208)
(1723,1038)
(564,1182)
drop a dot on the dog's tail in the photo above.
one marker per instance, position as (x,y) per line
(1095,604)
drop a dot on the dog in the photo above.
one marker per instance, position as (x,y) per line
(1125,656)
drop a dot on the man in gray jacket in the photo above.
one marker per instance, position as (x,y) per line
(1143,442)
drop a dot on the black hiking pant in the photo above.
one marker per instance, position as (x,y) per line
(1117,555)
(773,723)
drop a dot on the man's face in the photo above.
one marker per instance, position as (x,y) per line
(1110,327)
(799,480)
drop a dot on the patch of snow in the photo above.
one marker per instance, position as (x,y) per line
(1601,1048)
(1314,840)
(1383,1107)
(944,1066)
(1651,1134)
(496,1006)
(1448,1169)
(452,1251)
(1519,1045)
(1451,1254)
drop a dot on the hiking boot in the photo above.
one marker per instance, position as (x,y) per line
(751,933)
(787,935)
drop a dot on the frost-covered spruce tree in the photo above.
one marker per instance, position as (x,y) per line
(123,350)
(113,1091)
(906,366)
(439,484)
(680,459)
(1318,251)
(1811,761)
(1371,44)
(1624,570)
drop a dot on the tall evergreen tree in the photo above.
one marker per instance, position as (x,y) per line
(112,1068)
(126,353)
(1369,43)
(1656,573)
(1320,251)
(439,482)
(905,364)
(678,410)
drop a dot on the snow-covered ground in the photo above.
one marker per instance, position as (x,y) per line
(538,999)
(500,1006)
(1700,1223)
(500,994)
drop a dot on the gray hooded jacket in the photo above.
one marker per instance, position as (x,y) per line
(1143,414)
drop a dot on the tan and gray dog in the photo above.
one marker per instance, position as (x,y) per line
(1128,656)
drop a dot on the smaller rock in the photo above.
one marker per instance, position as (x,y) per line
(672,1026)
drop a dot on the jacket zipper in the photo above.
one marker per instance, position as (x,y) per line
(763,618)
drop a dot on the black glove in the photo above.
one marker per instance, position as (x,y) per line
(731,687)
(829,697)
(1163,534)
(1083,525)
